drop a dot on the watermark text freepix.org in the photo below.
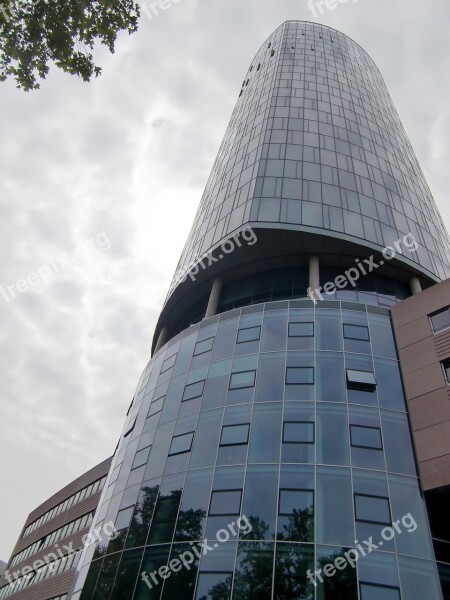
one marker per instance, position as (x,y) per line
(152,8)
(47,273)
(247,234)
(351,557)
(199,549)
(64,551)
(364,267)
(317,6)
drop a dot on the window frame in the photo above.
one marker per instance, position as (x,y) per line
(435,313)
(238,341)
(360,385)
(202,342)
(365,427)
(165,369)
(222,445)
(191,433)
(242,387)
(214,514)
(183,399)
(349,337)
(283,441)
(446,370)
(386,498)
(301,323)
(377,585)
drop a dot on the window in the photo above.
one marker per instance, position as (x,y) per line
(301,329)
(440,320)
(244,379)
(370,591)
(130,427)
(194,390)
(372,509)
(124,518)
(300,375)
(250,334)
(181,444)
(168,363)
(366,437)
(356,332)
(204,346)
(298,432)
(295,500)
(361,380)
(225,502)
(233,435)
(141,457)
(446,366)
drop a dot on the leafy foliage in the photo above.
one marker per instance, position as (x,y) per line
(34,33)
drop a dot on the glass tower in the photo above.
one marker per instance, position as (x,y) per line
(267,452)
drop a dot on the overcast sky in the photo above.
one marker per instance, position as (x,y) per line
(123,161)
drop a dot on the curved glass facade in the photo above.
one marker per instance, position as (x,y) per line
(280,434)
(315,143)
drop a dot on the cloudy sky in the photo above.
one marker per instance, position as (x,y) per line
(111,173)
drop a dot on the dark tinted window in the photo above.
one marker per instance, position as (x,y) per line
(141,457)
(234,434)
(250,334)
(300,375)
(225,502)
(361,380)
(298,432)
(366,437)
(440,320)
(181,443)
(372,509)
(301,329)
(446,365)
(356,332)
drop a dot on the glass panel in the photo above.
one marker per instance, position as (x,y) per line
(271,374)
(206,440)
(204,346)
(141,457)
(301,329)
(343,583)
(330,377)
(389,384)
(334,514)
(332,434)
(180,582)
(154,558)
(383,343)
(300,375)
(372,509)
(126,575)
(292,562)
(254,570)
(194,505)
(274,331)
(398,445)
(214,586)
(292,501)
(328,330)
(298,433)
(265,434)
(378,592)
(440,320)
(361,380)
(356,332)
(366,437)
(193,390)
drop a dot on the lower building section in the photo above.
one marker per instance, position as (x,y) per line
(267,454)
(44,559)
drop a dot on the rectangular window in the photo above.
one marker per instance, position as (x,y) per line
(366,437)
(244,379)
(130,427)
(361,380)
(204,346)
(141,457)
(225,502)
(301,329)
(446,366)
(181,444)
(356,332)
(440,320)
(298,432)
(233,435)
(249,334)
(168,363)
(194,390)
(370,591)
(295,500)
(372,509)
(123,518)
(300,375)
